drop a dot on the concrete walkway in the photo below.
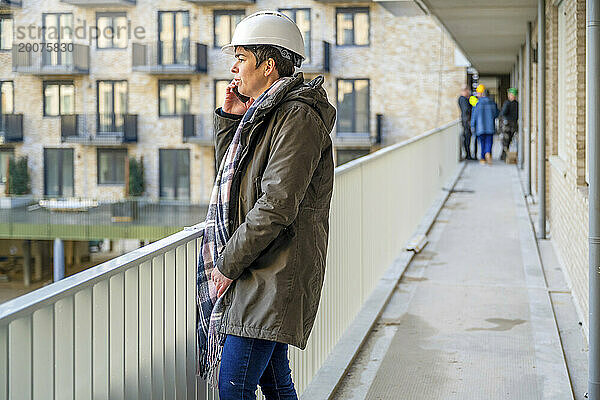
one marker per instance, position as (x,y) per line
(472,317)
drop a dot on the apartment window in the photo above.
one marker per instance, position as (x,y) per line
(353,106)
(352,25)
(7,97)
(225,22)
(174,37)
(58,32)
(220,86)
(111,166)
(112,105)
(59,172)
(59,98)
(174,173)
(174,98)
(112,30)
(5,156)
(301,16)
(6,32)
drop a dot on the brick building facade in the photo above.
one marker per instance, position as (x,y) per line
(120,98)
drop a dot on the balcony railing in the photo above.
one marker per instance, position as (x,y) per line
(11,128)
(169,58)
(126,328)
(194,130)
(98,129)
(100,3)
(7,4)
(322,65)
(40,60)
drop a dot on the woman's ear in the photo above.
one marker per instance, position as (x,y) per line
(269,67)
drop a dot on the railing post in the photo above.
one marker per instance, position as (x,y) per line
(59,260)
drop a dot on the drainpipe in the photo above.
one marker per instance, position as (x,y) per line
(520,142)
(542,118)
(593,122)
(527,113)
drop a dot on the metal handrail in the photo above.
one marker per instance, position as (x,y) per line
(39,298)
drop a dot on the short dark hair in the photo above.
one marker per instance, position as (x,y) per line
(263,52)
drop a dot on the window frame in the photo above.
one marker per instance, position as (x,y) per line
(11,154)
(2,82)
(354,131)
(112,15)
(12,39)
(310,29)
(159,42)
(62,151)
(113,151)
(215,91)
(173,82)
(353,11)
(60,84)
(162,151)
(229,13)
(112,81)
(60,38)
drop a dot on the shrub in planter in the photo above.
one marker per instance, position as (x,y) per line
(19,182)
(136,185)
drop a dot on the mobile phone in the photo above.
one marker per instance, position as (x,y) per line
(240,96)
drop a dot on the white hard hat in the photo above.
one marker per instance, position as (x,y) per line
(270,28)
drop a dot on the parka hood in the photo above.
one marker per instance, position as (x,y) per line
(312,93)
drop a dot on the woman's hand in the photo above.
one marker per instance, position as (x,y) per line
(221,281)
(232,103)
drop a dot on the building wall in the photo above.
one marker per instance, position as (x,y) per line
(410,64)
(566,188)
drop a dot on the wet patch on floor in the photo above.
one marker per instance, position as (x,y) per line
(502,324)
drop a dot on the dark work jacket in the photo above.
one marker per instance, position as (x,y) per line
(279,213)
(510,110)
(465,109)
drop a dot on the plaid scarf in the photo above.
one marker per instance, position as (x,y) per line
(216,234)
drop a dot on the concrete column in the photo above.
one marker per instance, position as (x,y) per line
(26,263)
(541,233)
(38,260)
(59,260)
(520,86)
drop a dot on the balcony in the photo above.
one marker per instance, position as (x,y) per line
(11,128)
(8,4)
(194,132)
(321,66)
(180,59)
(357,140)
(39,61)
(100,3)
(99,129)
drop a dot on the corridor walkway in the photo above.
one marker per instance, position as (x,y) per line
(471,317)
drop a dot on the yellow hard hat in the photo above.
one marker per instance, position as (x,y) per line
(473,100)
(480,88)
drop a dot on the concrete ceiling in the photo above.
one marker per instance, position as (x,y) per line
(490,32)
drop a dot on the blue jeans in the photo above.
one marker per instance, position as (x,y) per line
(246,362)
(486,141)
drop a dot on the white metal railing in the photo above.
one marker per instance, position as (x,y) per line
(126,329)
